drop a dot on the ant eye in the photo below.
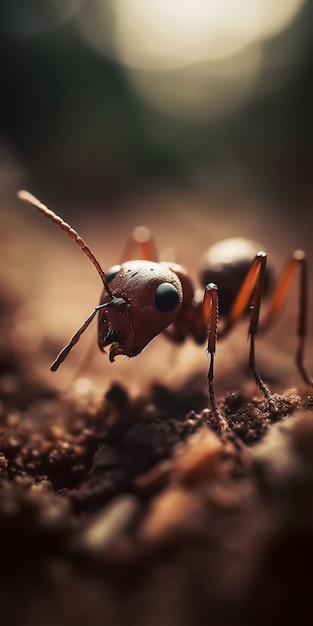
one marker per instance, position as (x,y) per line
(111,273)
(166,297)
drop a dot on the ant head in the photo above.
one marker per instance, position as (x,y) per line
(147,297)
(140,298)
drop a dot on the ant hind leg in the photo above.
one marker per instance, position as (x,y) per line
(298,261)
(141,245)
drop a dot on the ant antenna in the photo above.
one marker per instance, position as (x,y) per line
(29,199)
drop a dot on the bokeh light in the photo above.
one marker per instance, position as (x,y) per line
(195,59)
(162,35)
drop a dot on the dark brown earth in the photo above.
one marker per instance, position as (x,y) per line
(133,510)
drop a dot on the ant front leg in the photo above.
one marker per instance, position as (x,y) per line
(210,313)
(76,337)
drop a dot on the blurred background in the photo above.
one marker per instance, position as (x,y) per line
(194,118)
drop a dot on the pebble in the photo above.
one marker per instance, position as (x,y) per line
(112,521)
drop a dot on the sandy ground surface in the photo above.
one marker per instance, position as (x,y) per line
(56,287)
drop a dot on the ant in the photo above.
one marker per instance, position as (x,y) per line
(143,298)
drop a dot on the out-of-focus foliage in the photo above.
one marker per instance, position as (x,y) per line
(78,117)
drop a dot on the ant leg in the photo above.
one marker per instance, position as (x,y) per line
(210,309)
(73,341)
(141,246)
(253,284)
(298,261)
(260,262)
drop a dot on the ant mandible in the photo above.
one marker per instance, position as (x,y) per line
(142,298)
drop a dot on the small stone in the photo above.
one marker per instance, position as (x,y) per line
(3,462)
(111,522)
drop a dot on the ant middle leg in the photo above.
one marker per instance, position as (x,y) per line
(252,287)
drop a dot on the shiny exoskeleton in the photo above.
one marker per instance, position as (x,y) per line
(147,298)
(142,298)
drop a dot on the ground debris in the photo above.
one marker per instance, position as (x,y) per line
(141,497)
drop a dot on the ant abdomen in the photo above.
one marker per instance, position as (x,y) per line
(227,263)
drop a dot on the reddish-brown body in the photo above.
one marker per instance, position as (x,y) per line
(133,320)
(143,298)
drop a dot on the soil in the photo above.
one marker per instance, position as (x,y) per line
(136,510)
